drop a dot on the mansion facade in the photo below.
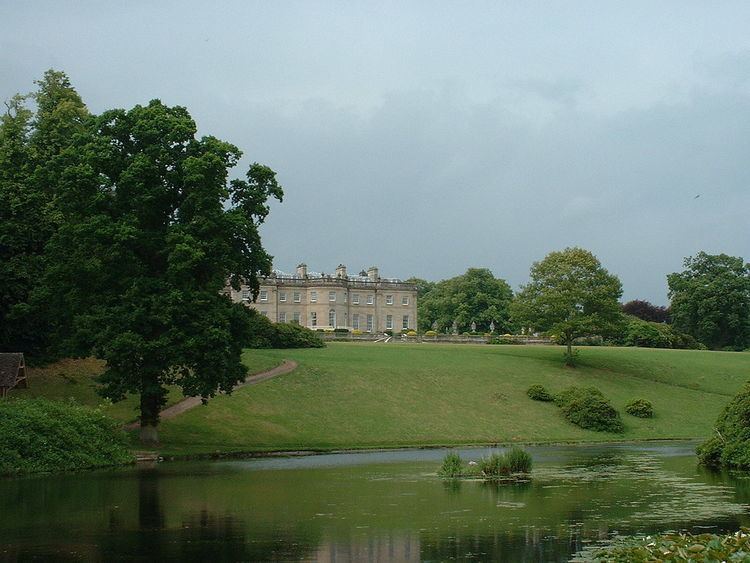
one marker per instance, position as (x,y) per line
(363,302)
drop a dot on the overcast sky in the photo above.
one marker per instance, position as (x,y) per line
(428,137)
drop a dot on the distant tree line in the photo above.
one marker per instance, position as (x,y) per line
(571,296)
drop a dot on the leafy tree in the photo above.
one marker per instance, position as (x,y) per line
(646,311)
(32,149)
(151,232)
(570,295)
(711,300)
(423,286)
(476,296)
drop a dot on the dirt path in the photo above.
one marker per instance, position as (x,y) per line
(191,402)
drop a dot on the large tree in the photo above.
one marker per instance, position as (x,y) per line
(711,300)
(474,297)
(570,295)
(151,231)
(32,151)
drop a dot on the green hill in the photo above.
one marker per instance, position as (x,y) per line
(367,395)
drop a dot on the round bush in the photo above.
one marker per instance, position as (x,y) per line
(586,407)
(640,408)
(539,393)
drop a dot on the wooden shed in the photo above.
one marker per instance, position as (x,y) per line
(12,372)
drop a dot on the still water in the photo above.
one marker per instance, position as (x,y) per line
(369,506)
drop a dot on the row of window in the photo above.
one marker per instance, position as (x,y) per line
(297,297)
(369,320)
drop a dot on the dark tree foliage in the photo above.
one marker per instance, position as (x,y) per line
(151,232)
(646,311)
(711,300)
(730,444)
(476,296)
(33,146)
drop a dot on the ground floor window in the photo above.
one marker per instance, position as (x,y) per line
(405,323)
(389,322)
(313,319)
(282,317)
(369,323)
(355,321)
(332,318)
(264,313)
(296,317)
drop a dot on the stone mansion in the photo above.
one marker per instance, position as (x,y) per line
(363,302)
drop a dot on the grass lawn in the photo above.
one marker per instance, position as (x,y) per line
(76,380)
(366,395)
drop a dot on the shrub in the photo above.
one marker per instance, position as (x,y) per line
(341,330)
(356,332)
(411,333)
(640,408)
(539,393)
(519,460)
(452,465)
(504,340)
(730,447)
(430,333)
(388,332)
(586,407)
(38,435)
(496,465)
(295,336)
(266,334)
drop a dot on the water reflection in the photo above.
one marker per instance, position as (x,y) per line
(368,507)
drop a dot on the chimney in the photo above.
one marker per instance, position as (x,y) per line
(372,273)
(341,271)
(302,270)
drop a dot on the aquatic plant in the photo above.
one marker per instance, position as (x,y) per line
(519,460)
(640,408)
(674,547)
(496,465)
(452,465)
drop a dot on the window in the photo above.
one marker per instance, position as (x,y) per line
(263,295)
(332,318)
(297,297)
(389,299)
(264,313)
(370,299)
(355,298)
(296,317)
(313,297)
(405,300)
(346,296)
(355,321)
(282,317)
(405,322)
(331,296)
(369,323)
(245,295)
(389,321)
(313,319)
(282,295)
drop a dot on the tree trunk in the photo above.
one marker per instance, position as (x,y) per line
(153,397)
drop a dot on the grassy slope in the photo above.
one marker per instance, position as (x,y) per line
(370,395)
(76,379)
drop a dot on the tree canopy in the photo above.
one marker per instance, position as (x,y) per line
(646,311)
(476,296)
(711,300)
(33,146)
(151,231)
(570,295)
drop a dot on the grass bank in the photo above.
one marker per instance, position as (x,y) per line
(366,395)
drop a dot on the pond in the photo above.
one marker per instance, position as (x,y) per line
(367,506)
